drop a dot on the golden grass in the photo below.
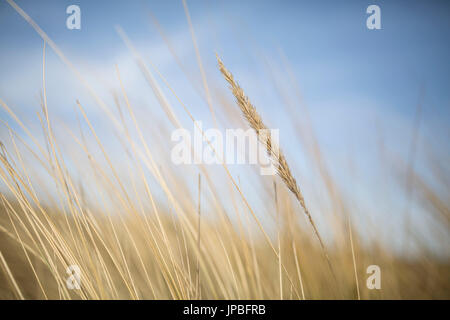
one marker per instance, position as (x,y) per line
(140,228)
(277,156)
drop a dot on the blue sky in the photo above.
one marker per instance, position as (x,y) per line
(356,82)
(331,51)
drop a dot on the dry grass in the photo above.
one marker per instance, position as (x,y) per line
(139,227)
(277,156)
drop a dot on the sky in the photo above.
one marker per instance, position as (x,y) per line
(358,84)
(340,64)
